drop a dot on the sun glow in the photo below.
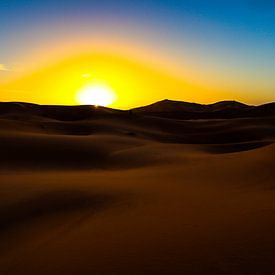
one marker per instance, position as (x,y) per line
(96,94)
(105,80)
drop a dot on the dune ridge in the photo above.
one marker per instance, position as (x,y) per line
(86,137)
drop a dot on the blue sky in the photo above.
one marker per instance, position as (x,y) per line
(233,38)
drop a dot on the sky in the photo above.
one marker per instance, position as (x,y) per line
(146,50)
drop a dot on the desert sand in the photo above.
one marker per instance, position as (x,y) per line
(87,190)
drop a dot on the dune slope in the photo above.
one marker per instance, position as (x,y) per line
(100,191)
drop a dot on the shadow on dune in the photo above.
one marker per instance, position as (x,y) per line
(49,204)
(37,152)
(44,152)
(235,147)
(57,152)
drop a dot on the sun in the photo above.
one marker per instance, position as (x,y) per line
(96,94)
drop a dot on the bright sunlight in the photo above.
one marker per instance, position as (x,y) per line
(96,94)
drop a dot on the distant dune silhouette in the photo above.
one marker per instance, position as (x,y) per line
(222,109)
(165,108)
(178,106)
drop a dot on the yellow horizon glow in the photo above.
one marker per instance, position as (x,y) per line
(136,82)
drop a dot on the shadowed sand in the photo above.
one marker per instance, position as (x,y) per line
(111,192)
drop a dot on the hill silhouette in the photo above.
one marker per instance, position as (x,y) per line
(165,108)
(222,109)
(167,105)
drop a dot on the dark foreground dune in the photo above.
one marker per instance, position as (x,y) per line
(87,190)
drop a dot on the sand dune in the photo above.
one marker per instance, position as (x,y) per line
(89,190)
(223,109)
(47,204)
